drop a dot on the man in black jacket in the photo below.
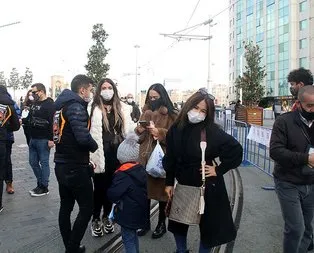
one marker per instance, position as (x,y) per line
(136,113)
(9,121)
(291,147)
(73,171)
(41,115)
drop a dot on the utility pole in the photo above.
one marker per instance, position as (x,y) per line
(179,36)
(209,86)
(136,73)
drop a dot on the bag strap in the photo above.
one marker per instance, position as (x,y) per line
(203,145)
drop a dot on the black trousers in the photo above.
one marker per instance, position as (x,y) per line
(75,184)
(2,167)
(8,175)
(161,214)
(102,182)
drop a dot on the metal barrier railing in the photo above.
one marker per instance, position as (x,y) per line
(254,153)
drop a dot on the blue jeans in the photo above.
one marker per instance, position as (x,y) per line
(39,160)
(130,240)
(181,245)
(297,207)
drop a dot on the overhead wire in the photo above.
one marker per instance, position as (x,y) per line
(194,27)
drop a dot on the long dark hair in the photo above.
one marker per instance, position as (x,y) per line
(27,102)
(164,97)
(114,102)
(182,119)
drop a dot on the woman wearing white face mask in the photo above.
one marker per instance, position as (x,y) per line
(110,121)
(182,162)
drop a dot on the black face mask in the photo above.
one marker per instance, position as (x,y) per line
(155,104)
(294,92)
(307,115)
(35,96)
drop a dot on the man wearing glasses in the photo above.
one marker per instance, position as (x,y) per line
(41,138)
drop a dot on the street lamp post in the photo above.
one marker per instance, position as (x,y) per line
(136,73)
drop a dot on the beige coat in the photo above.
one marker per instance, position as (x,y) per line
(163,121)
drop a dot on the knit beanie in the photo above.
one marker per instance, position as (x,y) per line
(128,150)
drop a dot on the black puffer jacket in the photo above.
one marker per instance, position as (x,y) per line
(12,123)
(76,141)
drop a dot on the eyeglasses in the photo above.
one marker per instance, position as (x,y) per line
(203,91)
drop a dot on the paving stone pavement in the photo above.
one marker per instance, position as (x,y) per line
(30,224)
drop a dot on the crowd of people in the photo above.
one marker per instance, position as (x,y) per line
(103,146)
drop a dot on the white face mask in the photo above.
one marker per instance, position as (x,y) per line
(196,117)
(107,94)
(130,100)
(31,98)
(90,98)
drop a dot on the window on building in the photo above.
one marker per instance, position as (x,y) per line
(303,62)
(270,2)
(303,24)
(302,43)
(303,6)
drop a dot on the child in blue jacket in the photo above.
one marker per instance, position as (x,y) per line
(129,192)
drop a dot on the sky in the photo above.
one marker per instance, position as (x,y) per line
(54,37)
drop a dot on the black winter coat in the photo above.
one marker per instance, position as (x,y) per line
(183,162)
(76,141)
(289,141)
(12,122)
(129,191)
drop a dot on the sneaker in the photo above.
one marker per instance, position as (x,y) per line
(97,228)
(34,190)
(40,192)
(108,226)
(1,209)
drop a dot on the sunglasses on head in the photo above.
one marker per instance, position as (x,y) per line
(203,91)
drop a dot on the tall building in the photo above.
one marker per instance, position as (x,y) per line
(283,29)
(220,91)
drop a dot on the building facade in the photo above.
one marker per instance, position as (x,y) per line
(283,29)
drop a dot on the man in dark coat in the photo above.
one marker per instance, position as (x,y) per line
(9,122)
(291,147)
(73,171)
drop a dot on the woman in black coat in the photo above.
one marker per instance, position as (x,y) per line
(183,163)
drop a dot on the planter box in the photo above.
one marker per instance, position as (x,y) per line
(250,115)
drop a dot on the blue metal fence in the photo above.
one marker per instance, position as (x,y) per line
(254,153)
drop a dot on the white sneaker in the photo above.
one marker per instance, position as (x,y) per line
(108,226)
(97,228)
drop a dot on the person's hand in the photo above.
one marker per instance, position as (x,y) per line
(210,171)
(311,160)
(153,130)
(51,144)
(140,129)
(169,191)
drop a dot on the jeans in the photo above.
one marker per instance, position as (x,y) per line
(75,184)
(181,245)
(130,240)
(2,167)
(297,207)
(39,160)
(8,176)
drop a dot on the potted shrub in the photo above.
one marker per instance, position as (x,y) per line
(251,84)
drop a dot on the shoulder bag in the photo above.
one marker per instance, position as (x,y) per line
(188,201)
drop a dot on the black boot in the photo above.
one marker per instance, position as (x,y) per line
(160,230)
